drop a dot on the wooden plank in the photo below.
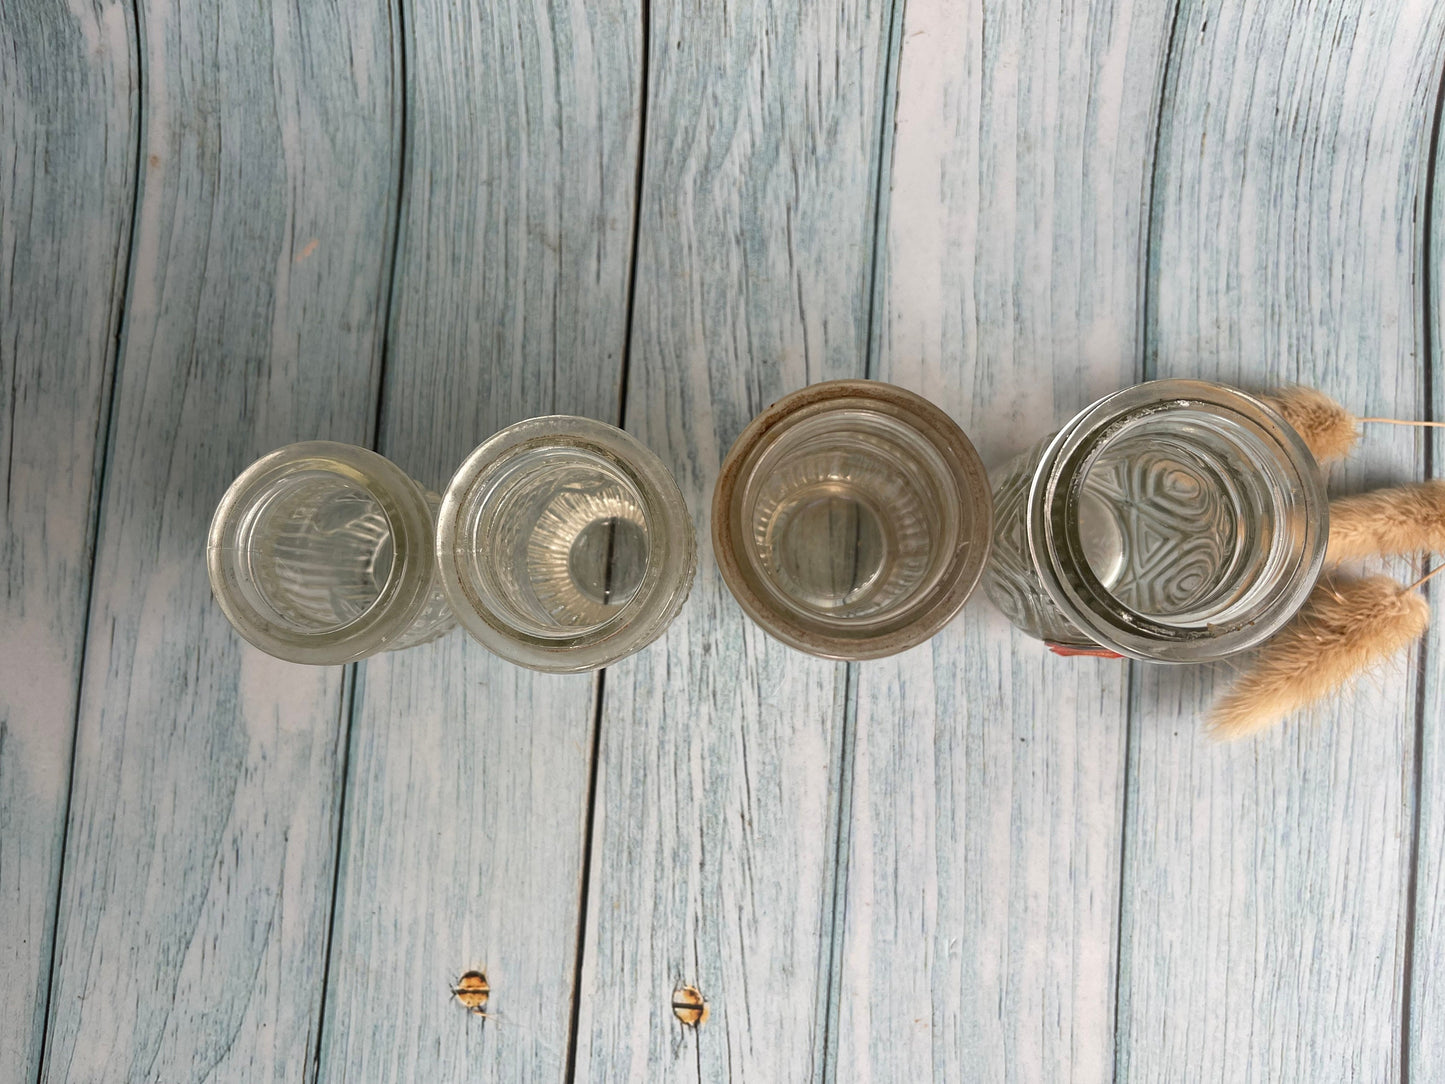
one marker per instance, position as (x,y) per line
(198,870)
(1425,989)
(68,152)
(466,807)
(982,866)
(1263,927)
(721,749)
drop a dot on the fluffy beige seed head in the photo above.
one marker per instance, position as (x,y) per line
(1328,429)
(1388,522)
(1345,628)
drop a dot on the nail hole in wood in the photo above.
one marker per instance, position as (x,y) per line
(472,990)
(688,1006)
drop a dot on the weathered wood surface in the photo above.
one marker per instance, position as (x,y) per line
(1264,909)
(466,805)
(720,749)
(197,875)
(1426,991)
(67,158)
(982,866)
(972,861)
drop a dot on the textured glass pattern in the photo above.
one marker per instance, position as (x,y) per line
(850,523)
(1179,521)
(437,616)
(564,543)
(323,553)
(851,519)
(1180,531)
(1010,580)
(319,551)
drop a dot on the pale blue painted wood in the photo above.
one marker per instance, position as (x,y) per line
(982,870)
(197,875)
(721,749)
(466,807)
(1265,882)
(927,889)
(1426,1006)
(67,159)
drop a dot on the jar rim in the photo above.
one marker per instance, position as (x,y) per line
(404,592)
(666,581)
(948,590)
(1070,582)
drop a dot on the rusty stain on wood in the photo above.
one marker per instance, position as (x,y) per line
(473,990)
(689,1006)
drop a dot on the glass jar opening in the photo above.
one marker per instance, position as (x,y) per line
(321,553)
(559,542)
(1180,523)
(314,553)
(850,517)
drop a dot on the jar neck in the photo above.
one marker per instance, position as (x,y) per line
(564,544)
(1177,521)
(323,553)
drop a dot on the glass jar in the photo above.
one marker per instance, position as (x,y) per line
(564,544)
(851,519)
(323,553)
(1174,521)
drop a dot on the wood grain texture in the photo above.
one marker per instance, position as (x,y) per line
(982,867)
(1263,912)
(720,749)
(1426,990)
(68,136)
(198,869)
(467,802)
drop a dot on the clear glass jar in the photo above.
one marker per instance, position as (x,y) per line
(851,519)
(323,553)
(1174,521)
(564,544)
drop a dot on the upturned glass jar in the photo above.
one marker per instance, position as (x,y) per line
(851,519)
(323,553)
(1174,521)
(564,544)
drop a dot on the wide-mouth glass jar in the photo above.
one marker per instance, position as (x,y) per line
(323,553)
(1174,521)
(851,519)
(564,544)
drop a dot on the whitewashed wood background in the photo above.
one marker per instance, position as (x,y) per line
(226,225)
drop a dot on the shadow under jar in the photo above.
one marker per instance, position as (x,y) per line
(323,553)
(1174,521)
(851,519)
(564,544)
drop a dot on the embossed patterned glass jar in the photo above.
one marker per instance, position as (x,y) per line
(323,553)
(851,519)
(1174,521)
(564,544)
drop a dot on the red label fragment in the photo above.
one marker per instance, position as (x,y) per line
(1092,652)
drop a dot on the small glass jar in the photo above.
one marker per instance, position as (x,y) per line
(564,544)
(851,519)
(323,553)
(1174,521)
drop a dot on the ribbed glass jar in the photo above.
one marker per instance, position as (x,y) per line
(564,544)
(1174,521)
(851,519)
(323,553)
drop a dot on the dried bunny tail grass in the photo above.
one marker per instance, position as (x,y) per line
(1388,522)
(1345,628)
(1327,428)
